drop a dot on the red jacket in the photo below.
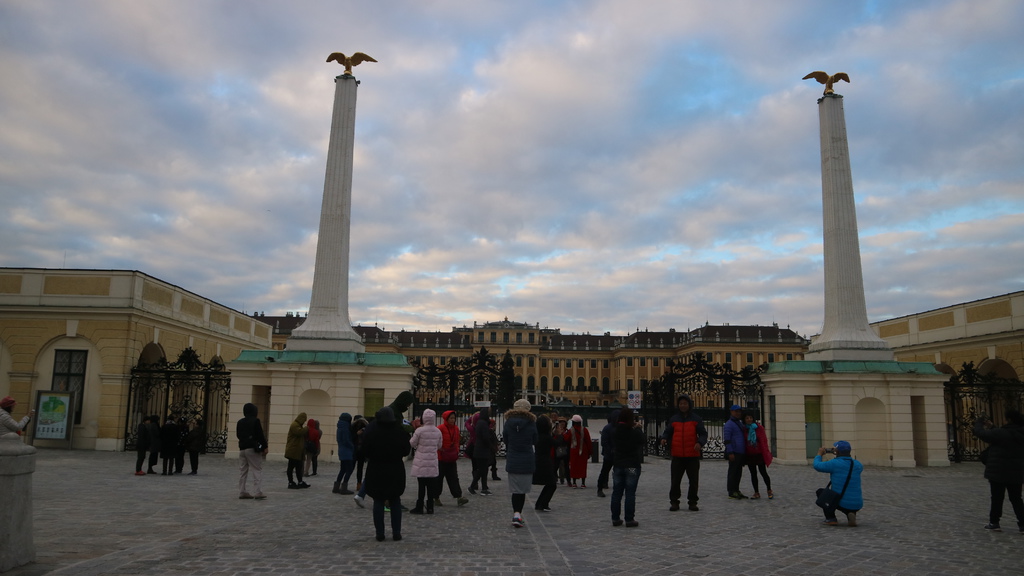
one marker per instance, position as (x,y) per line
(684,432)
(451,437)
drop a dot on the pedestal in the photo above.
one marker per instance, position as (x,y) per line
(17,463)
(283,383)
(891,412)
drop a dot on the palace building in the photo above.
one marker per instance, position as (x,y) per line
(584,369)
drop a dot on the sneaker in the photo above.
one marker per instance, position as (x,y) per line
(462,500)
(735,496)
(387,509)
(693,508)
(674,507)
(304,485)
(546,509)
(993,527)
(831,522)
(600,493)
(616,522)
(260,496)
(517,521)
(485,492)
(632,524)
(359,500)
(245,496)
(293,486)
(437,502)
(140,473)
(851,518)
(472,490)
(741,496)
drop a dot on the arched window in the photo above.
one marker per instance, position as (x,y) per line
(531,383)
(543,383)
(554,384)
(606,385)
(593,383)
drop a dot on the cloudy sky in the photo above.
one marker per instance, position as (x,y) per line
(593,166)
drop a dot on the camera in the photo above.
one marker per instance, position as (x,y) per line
(830,450)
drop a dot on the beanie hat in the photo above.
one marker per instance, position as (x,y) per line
(577,418)
(523,405)
(7,402)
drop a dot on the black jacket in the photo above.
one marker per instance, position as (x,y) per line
(1005,453)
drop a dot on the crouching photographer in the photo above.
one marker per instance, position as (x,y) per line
(843,490)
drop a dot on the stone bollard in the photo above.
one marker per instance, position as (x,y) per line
(17,463)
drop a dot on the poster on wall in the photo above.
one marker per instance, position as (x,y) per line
(633,399)
(54,413)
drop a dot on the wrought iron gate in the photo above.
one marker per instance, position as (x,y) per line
(186,388)
(970,395)
(712,389)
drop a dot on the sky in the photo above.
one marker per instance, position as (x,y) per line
(591,166)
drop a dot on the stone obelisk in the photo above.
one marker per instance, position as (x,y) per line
(328,326)
(846,334)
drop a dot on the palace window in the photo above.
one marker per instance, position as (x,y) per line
(69,376)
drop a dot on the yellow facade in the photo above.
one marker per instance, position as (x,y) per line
(110,316)
(988,332)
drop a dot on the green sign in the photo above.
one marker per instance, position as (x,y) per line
(53,415)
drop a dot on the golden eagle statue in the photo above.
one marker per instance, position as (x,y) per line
(349,61)
(824,78)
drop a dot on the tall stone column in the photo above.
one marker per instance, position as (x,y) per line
(328,326)
(846,334)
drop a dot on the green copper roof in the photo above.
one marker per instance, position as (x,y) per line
(313,357)
(847,367)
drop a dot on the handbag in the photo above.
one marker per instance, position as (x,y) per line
(828,499)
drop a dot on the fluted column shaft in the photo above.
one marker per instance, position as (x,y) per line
(846,334)
(328,326)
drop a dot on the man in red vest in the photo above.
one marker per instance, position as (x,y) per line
(686,436)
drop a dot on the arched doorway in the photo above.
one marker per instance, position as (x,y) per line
(872,442)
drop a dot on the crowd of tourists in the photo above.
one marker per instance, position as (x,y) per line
(548,451)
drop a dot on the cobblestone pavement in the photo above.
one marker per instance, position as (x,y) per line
(93,516)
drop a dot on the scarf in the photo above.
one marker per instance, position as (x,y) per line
(752,434)
(576,438)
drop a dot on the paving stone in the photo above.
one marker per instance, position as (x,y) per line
(93,516)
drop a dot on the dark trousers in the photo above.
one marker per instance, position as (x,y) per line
(296,467)
(625,482)
(395,503)
(193,460)
(153,457)
(546,493)
(830,512)
(606,468)
(427,488)
(179,461)
(345,472)
(480,466)
(996,510)
(139,460)
(689,465)
(735,473)
(754,468)
(450,474)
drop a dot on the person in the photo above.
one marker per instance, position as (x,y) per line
(628,453)
(759,455)
(606,453)
(312,446)
(195,442)
(578,438)
(154,442)
(734,434)
(426,441)
(1004,465)
(141,445)
(386,444)
(560,449)
(493,426)
(346,453)
(359,425)
(840,469)
(544,468)
(448,458)
(169,439)
(482,452)
(179,454)
(8,425)
(295,450)
(520,434)
(252,449)
(686,436)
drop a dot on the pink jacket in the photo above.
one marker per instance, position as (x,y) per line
(426,441)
